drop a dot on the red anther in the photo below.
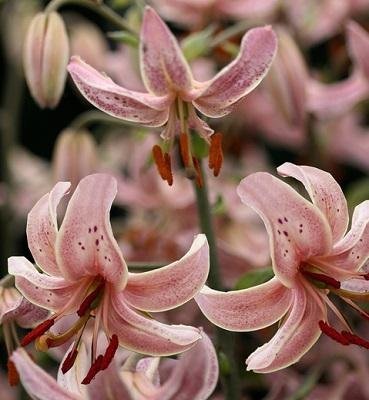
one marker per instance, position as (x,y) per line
(13,376)
(216,153)
(366,276)
(196,164)
(184,148)
(110,352)
(85,306)
(323,278)
(354,339)
(94,369)
(333,334)
(69,360)
(37,332)
(168,165)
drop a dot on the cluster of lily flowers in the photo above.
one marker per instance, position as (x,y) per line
(83,298)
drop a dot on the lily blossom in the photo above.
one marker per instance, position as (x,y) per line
(312,258)
(84,272)
(193,375)
(173,94)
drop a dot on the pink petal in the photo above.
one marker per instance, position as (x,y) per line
(171,286)
(325,193)
(245,310)
(115,100)
(36,381)
(359,286)
(27,315)
(45,291)
(42,228)
(140,333)
(85,244)
(163,66)
(358,44)
(194,375)
(297,229)
(291,341)
(330,100)
(241,76)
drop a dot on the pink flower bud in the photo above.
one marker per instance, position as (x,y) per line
(74,156)
(46,55)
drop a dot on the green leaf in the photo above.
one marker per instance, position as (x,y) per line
(124,37)
(357,192)
(224,366)
(200,149)
(253,278)
(197,44)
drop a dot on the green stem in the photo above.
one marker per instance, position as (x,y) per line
(230,32)
(225,339)
(100,8)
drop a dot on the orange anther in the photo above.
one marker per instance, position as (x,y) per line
(168,166)
(184,148)
(198,178)
(13,376)
(163,164)
(216,153)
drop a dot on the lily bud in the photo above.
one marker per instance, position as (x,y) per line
(75,156)
(46,55)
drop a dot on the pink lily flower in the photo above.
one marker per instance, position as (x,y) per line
(193,375)
(84,272)
(173,94)
(310,254)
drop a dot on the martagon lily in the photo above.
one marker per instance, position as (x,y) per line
(312,258)
(84,272)
(173,94)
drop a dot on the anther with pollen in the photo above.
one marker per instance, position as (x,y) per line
(163,164)
(69,360)
(333,334)
(184,149)
(13,376)
(94,369)
(87,303)
(215,153)
(110,352)
(323,279)
(37,332)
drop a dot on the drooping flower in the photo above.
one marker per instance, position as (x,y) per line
(312,258)
(173,94)
(193,375)
(84,272)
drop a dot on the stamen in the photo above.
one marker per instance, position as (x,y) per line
(322,278)
(13,376)
(110,352)
(366,276)
(87,303)
(333,334)
(163,164)
(37,332)
(216,153)
(354,339)
(69,360)
(184,149)
(196,164)
(94,369)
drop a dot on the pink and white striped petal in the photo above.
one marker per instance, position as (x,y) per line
(195,374)
(325,193)
(248,309)
(301,339)
(241,76)
(117,101)
(46,291)
(42,228)
(163,66)
(36,381)
(171,286)
(297,229)
(140,333)
(85,244)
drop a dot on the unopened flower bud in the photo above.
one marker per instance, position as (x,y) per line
(46,55)
(74,156)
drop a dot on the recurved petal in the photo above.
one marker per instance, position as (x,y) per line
(163,66)
(248,309)
(297,229)
(358,44)
(27,315)
(241,76)
(171,286)
(194,375)
(140,333)
(36,381)
(45,291)
(85,244)
(281,351)
(115,100)
(42,228)
(325,193)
